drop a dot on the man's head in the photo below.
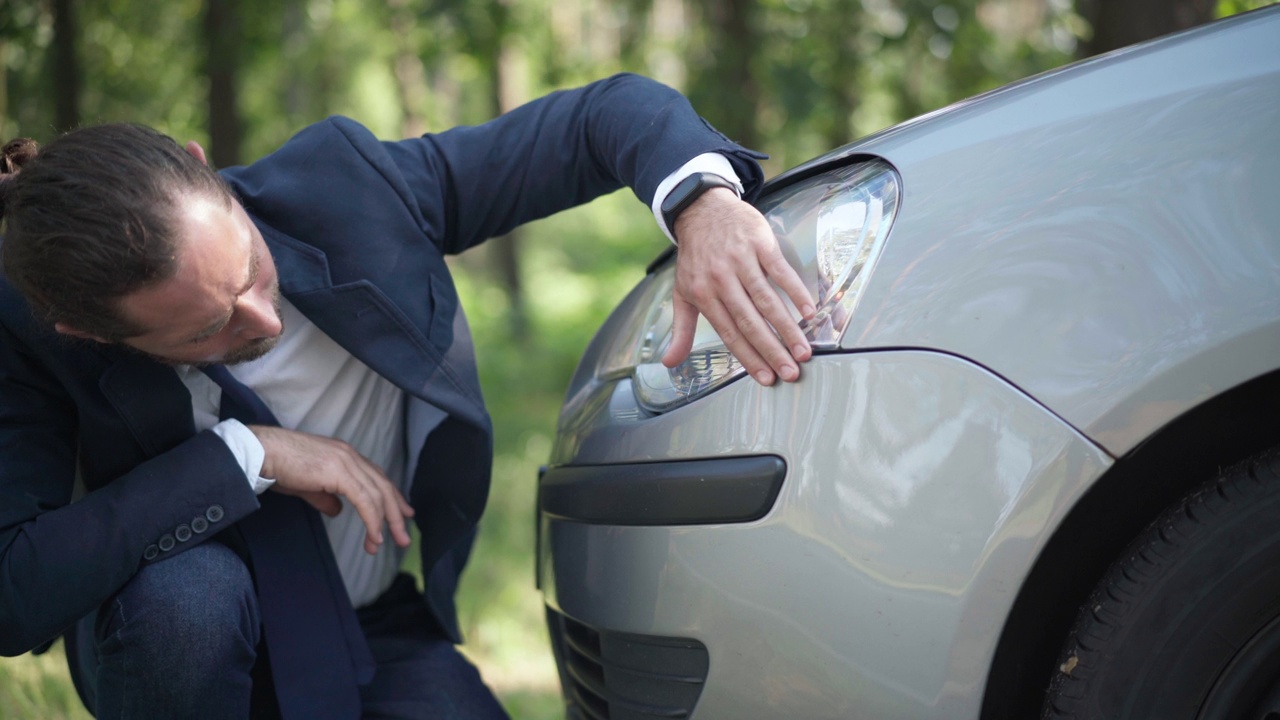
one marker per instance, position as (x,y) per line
(117,234)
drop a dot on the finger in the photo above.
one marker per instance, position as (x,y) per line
(385,496)
(394,512)
(684,318)
(725,325)
(756,333)
(770,305)
(405,508)
(328,504)
(780,271)
(366,502)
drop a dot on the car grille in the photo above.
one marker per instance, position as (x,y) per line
(621,676)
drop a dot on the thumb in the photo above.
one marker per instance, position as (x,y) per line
(684,318)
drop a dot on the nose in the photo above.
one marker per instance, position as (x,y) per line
(257,315)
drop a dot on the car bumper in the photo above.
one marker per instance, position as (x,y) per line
(918,490)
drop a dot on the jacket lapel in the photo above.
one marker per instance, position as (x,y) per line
(362,319)
(150,398)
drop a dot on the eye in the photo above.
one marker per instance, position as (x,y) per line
(210,336)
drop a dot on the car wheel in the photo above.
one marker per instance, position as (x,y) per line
(1186,624)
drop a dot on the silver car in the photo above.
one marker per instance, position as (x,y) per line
(1031,468)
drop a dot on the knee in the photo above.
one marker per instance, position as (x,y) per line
(191,609)
(179,640)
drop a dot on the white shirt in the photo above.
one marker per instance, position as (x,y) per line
(314,385)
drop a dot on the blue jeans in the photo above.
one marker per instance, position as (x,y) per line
(181,640)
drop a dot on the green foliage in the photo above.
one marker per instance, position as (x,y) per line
(1232,7)
(820,73)
(38,688)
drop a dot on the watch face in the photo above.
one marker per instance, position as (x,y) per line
(680,192)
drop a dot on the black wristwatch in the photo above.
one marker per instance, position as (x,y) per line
(688,190)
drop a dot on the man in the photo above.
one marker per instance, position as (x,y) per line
(196,356)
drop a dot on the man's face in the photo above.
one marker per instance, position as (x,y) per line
(223,303)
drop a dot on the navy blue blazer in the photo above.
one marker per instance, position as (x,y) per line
(358,229)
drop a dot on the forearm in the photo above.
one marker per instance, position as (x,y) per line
(560,151)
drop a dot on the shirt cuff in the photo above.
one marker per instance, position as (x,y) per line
(711,162)
(247,449)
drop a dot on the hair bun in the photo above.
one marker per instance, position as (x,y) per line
(13,156)
(16,153)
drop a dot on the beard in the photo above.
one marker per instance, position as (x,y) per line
(250,352)
(254,350)
(257,348)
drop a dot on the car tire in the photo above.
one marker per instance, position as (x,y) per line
(1186,624)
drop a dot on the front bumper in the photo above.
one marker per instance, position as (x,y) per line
(919,489)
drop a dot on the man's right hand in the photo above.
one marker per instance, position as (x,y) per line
(319,469)
(728,256)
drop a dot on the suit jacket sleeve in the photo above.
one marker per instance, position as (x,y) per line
(59,559)
(558,152)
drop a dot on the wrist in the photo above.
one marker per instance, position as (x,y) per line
(247,449)
(712,204)
(687,194)
(263,433)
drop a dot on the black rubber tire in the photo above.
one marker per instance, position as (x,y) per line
(1186,624)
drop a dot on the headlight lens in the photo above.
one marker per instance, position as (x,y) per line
(831,227)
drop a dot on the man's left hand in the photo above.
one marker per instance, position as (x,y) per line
(727,257)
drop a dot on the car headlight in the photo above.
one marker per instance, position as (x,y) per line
(831,228)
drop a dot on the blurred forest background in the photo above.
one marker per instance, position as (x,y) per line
(791,77)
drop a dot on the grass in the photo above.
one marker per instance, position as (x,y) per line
(39,688)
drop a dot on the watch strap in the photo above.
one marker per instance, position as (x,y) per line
(687,191)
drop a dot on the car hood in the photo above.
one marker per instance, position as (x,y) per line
(1103,236)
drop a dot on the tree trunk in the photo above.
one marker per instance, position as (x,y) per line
(294,39)
(669,27)
(408,69)
(727,90)
(840,83)
(504,250)
(5,133)
(1117,23)
(222,61)
(66,66)
(632,35)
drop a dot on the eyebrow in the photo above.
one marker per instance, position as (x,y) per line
(216,327)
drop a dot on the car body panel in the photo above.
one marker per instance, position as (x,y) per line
(919,490)
(1104,236)
(1077,260)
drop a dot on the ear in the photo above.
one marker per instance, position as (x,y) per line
(66,329)
(196,151)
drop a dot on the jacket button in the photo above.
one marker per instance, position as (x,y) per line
(214,513)
(199,524)
(182,533)
(150,553)
(166,543)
